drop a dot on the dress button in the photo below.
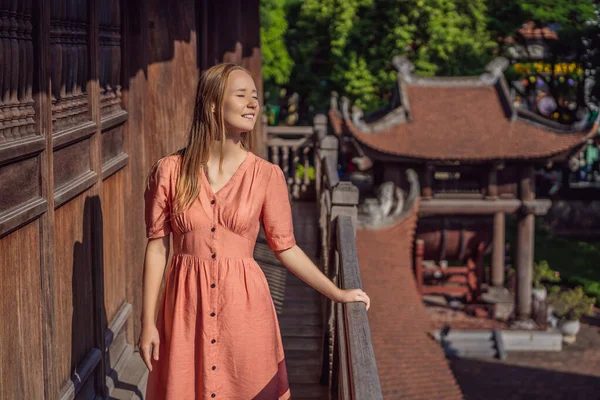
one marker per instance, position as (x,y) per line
(213,395)
(212,201)
(212,314)
(213,341)
(213,255)
(212,286)
(214,367)
(212,229)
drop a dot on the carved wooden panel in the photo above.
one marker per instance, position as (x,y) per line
(113,149)
(110,56)
(20,206)
(69,63)
(16,76)
(72,171)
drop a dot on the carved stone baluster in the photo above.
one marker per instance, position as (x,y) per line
(295,178)
(275,155)
(285,160)
(306,178)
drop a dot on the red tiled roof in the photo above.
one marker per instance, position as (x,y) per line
(464,123)
(411,364)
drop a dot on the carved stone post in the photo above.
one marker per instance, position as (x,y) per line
(525,237)
(320,126)
(326,147)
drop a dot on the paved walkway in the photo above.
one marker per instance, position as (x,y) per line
(572,374)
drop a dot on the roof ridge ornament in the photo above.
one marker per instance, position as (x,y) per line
(494,70)
(357,115)
(333,101)
(404,66)
(392,205)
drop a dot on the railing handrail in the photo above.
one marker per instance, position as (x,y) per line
(350,359)
(363,376)
(290,130)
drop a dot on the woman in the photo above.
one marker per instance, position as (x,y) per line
(217,334)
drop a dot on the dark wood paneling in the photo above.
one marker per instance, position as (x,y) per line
(115,266)
(16,77)
(69,63)
(20,312)
(18,207)
(19,175)
(74,300)
(71,162)
(112,143)
(29,146)
(110,56)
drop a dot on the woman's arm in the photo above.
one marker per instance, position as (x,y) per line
(301,265)
(155,261)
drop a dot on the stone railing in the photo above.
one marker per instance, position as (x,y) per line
(349,366)
(294,146)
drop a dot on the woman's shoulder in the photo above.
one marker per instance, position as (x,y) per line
(166,165)
(267,167)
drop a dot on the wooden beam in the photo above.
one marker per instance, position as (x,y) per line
(468,206)
(498,250)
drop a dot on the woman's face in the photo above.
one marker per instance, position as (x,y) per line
(240,103)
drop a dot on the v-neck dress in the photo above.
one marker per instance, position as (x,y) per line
(219,333)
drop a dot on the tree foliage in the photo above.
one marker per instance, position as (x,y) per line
(348,45)
(276,61)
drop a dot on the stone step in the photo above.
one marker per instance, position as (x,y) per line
(310,302)
(309,392)
(472,345)
(491,353)
(303,374)
(297,343)
(313,319)
(301,331)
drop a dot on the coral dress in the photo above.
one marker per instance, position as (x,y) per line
(219,333)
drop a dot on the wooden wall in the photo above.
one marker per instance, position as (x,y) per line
(92,92)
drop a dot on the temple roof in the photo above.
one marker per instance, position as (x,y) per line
(463,118)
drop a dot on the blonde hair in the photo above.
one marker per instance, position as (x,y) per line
(207,126)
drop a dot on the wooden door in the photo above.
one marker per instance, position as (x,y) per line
(62,167)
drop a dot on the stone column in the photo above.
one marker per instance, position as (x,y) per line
(525,243)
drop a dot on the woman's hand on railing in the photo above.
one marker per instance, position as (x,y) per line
(352,295)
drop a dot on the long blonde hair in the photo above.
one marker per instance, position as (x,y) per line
(206,127)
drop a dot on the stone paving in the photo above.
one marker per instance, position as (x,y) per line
(573,373)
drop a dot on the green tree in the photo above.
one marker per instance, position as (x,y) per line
(276,61)
(348,45)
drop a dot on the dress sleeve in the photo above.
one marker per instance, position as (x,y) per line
(277,213)
(157,199)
